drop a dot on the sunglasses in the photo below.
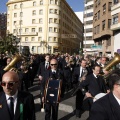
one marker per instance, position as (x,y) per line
(10,84)
(53,64)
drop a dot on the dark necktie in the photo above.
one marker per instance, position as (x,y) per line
(11,107)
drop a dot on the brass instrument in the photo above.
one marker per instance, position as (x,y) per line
(78,85)
(10,67)
(111,63)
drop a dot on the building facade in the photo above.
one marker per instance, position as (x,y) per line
(88,27)
(115,27)
(46,26)
(102,35)
(3,24)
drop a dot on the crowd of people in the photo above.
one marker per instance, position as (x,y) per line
(83,75)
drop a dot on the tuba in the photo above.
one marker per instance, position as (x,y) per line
(112,63)
(10,67)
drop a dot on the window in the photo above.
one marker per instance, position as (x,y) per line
(115,19)
(14,22)
(108,42)
(15,6)
(55,30)
(20,30)
(103,25)
(56,11)
(115,1)
(26,38)
(26,30)
(56,2)
(51,11)
(33,29)
(14,30)
(39,38)
(40,29)
(15,14)
(104,8)
(41,2)
(109,6)
(34,3)
(21,14)
(33,21)
(50,20)
(40,20)
(21,22)
(21,5)
(34,12)
(109,23)
(55,20)
(50,29)
(55,39)
(98,15)
(41,12)
(51,2)
(33,39)
(50,39)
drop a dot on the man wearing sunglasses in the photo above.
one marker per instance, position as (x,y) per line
(15,104)
(54,73)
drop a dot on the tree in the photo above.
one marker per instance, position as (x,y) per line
(9,43)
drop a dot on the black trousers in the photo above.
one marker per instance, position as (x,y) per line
(79,100)
(54,108)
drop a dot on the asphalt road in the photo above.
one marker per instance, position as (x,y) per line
(66,106)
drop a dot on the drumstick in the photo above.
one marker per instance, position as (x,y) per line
(43,109)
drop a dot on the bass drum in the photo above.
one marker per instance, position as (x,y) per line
(53,91)
(98,96)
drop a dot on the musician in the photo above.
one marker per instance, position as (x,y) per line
(108,107)
(92,85)
(103,61)
(78,75)
(14,104)
(98,61)
(56,74)
(43,74)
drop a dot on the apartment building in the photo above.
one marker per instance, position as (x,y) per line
(115,27)
(46,26)
(88,27)
(3,24)
(102,35)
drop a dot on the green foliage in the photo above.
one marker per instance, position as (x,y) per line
(9,43)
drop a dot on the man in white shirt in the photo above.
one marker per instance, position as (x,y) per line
(15,104)
(108,107)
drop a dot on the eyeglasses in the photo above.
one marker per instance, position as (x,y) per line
(53,64)
(10,84)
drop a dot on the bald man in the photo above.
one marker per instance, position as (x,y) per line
(15,104)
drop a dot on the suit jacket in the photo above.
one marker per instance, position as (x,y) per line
(76,73)
(106,108)
(24,98)
(94,85)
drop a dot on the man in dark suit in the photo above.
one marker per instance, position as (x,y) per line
(14,104)
(78,76)
(43,74)
(93,85)
(108,107)
(54,73)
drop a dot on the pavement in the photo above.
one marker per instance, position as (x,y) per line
(66,106)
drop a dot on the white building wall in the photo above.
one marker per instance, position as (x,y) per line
(116,42)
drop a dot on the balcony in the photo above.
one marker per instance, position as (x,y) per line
(115,26)
(28,34)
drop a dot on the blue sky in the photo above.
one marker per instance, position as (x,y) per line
(76,5)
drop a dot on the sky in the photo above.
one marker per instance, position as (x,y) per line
(76,5)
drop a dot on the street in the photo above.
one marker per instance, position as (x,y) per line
(66,106)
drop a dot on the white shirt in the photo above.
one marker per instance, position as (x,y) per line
(14,100)
(54,71)
(95,75)
(81,69)
(118,100)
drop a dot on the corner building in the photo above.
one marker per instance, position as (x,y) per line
(40,24)
(102,33)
